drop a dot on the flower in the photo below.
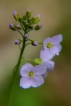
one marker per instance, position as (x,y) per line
(31,76)
(51,47)
(47,63)
(49,66)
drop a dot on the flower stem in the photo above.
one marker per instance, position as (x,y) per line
(12,86)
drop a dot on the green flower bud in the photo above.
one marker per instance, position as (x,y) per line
(37,19)
(28,14)
(12,26)
(38,61)
(24,17)
(16,16)
(38,27)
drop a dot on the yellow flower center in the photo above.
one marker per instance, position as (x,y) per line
(31,74)
(50,45)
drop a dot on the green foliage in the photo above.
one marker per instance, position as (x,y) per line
(27,22)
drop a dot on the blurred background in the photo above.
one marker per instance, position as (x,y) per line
(56,19)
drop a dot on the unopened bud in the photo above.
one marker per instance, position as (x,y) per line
(26,36)
(18,26)
(11,26)
(17,42)
(16,16)
(14,13)
(38,27)
(34,43)
(38,16)
(28,13)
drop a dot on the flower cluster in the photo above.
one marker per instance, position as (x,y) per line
(33,76)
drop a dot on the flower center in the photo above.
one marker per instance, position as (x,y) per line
(31,74)
(50,45)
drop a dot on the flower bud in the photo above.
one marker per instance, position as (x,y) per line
(17,42)
(38,27)
(38,16)
(34,43)
(28,13)
(14,13)
(36,19)
(16,16)
(26,36)
(38,61)
(11,26)
(18,26)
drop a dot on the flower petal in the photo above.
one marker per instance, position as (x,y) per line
(25,82)
(25,69)
(49,65)
(57,39)
(45,74)
(56,49)
(46,41)
(46,55)
(37,81)
(39,69)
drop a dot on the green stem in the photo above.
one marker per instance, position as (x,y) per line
(20,32)
(19,47)
(12,87)
(27,60)
(40,43)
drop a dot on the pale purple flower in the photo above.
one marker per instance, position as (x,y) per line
(51,47)
(31,76)
(48,64)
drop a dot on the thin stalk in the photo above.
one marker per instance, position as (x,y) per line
(27,60)
(19,47)
(20,32)
(40,43)
(12,86)
(27,44)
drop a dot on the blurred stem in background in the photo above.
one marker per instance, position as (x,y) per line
(15,75)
